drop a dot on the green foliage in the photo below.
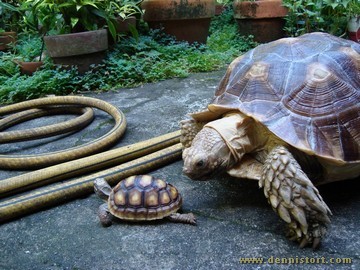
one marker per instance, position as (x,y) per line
(8,67)
(225,38)
(354,8)
(29,46)
(9,15)
(72,16)
(152,57)
(307,16)
(46,81)
(65,16)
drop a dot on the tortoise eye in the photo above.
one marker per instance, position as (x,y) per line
(200,163)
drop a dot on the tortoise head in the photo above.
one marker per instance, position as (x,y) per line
(207,155)
(102,188)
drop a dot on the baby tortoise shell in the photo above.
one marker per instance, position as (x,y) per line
(144,198)
(139,198)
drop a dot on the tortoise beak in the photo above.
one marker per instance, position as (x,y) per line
(196,176)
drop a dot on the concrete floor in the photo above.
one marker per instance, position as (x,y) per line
(234,218)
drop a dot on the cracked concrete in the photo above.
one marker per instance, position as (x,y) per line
(234,218)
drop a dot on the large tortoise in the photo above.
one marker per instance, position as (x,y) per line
(286,114)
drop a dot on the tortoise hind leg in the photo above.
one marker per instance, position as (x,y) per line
(294,197)
(183,218)
(104,215)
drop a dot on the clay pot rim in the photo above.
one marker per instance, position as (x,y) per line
(98,38)
(160,10)
(81,34)
(259,9)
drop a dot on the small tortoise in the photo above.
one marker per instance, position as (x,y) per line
(139,198)
(284,113)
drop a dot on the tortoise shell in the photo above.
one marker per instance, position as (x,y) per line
(305,90)
(143,197)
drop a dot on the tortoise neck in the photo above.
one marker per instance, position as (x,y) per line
(239,132)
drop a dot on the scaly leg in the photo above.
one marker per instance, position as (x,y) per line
(189,129)
(294,197)
(104,215)
(183,218)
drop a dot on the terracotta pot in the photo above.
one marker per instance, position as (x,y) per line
(78,49)
(264,19)
(28,68)
(186,20)
(5,39)
(354,28)
(219,9)
(123,26)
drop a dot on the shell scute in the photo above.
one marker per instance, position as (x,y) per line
(164,197)
(151,199)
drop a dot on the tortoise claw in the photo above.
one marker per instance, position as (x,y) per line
(316,243)
(304,242)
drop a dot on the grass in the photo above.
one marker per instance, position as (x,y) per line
(153,57)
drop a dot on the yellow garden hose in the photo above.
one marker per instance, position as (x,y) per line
(97,145)
(86,117)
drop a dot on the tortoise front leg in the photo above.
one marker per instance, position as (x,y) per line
(294,197)
(189,129)
(104,215)
(183,218)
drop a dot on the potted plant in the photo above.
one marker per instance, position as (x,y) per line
(75,30)
(263,19)
(9,14)
(124,14)
(354,21)
(221,5)
(187,20)
(29,53)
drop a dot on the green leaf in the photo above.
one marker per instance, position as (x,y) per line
(134,32)
(89,3)
(74,21)
(9,7)
(112,29)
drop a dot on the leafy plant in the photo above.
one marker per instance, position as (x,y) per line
(354,8)
(29,47)
(43,82)
(121,9)
(9,15)
(7,66)
(225,39)
(65,16)
(69,16)
(317,15)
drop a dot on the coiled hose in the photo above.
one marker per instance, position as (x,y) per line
(138,158)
